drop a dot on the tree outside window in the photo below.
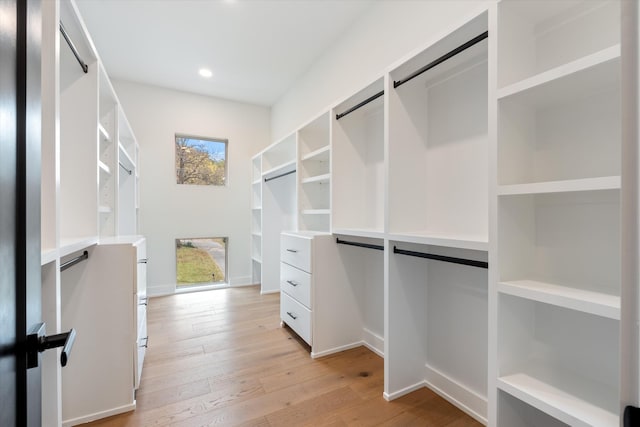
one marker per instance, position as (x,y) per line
(201,161)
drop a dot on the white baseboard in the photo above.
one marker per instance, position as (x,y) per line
(402,392)
(99,415)
(373,342)
(274,291)
(457,394)
(336,349)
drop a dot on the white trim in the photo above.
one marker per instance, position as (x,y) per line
(373,342)
(396,394)
(98,415)
(334,350)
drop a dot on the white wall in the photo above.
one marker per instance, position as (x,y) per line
(391,31)
(168,210)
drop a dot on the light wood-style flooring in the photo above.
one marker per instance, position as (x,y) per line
(220,358)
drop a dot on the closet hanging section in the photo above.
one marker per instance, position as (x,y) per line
(359,105)
(442,59)
(83,64)
(361,245)
(454,260)
(129,171)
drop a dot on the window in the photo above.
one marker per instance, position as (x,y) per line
(201,261)
(201,161)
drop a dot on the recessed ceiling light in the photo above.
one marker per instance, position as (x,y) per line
(205,72)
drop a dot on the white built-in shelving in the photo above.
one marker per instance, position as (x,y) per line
(256,219)
(557,271)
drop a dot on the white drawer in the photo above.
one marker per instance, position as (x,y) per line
(296,283)
(297,316)
(141,344)
(296,251)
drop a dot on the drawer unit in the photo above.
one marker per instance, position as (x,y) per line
(297,316)
(296,283)
(296,251)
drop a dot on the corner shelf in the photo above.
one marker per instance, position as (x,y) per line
(596,303)
(557,403)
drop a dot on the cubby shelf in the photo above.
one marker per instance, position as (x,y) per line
(320,155)
(104,134)
(104,209)
(104,168)
(569,79)
(557,403)
(256,259)
(565,186)
(596,303)
(319,179)
(316,211)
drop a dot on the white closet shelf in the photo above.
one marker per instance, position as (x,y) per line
(124,155)
(278,170)
(565,186)
(71,245)
(48,255)
(568,80)
(318,179)
(257,234)
(316,211)
(256,182)
(596,303)
(104,209)
(104,133)
(319,155)
(256,208)
(104,168)
(359,232)
(557,403)
(477,243)
(256,259)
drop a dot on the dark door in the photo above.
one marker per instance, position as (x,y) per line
(20,312)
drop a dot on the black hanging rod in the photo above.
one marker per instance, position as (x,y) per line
(443,58)
(280,176)
(363,103)
(74,261)
(361,245)
(463,261)
(129,171)
(83,64)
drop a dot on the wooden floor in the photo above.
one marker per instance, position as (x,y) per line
(220,358)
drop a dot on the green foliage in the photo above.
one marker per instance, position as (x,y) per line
(194,166)
(196,266)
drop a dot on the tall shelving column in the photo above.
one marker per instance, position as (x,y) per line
(314,179)
(127,177)
(107,156)
(256,219)
(557,290)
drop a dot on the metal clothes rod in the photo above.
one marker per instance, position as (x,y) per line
(129,171)
(443,58)
(361,245)
(83,64)
(362,104)
(74,261)
(463,261)
(280,176)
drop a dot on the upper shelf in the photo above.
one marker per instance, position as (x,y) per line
(287,167)
(569,80)
(445,240)
(319,155)
(571,185)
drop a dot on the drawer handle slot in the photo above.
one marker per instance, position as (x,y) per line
(292,250)
(146,342)
(292,283)
(144,301)
(142,261)
(291,315)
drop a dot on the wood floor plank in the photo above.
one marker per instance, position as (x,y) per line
(220,358)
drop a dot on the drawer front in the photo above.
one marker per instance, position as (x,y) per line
(296,283)
(297,316)
(296,251)
(141,273)
(141,344)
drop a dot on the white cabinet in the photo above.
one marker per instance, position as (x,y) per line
(103,299)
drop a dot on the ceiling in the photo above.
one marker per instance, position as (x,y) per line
(256,49)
